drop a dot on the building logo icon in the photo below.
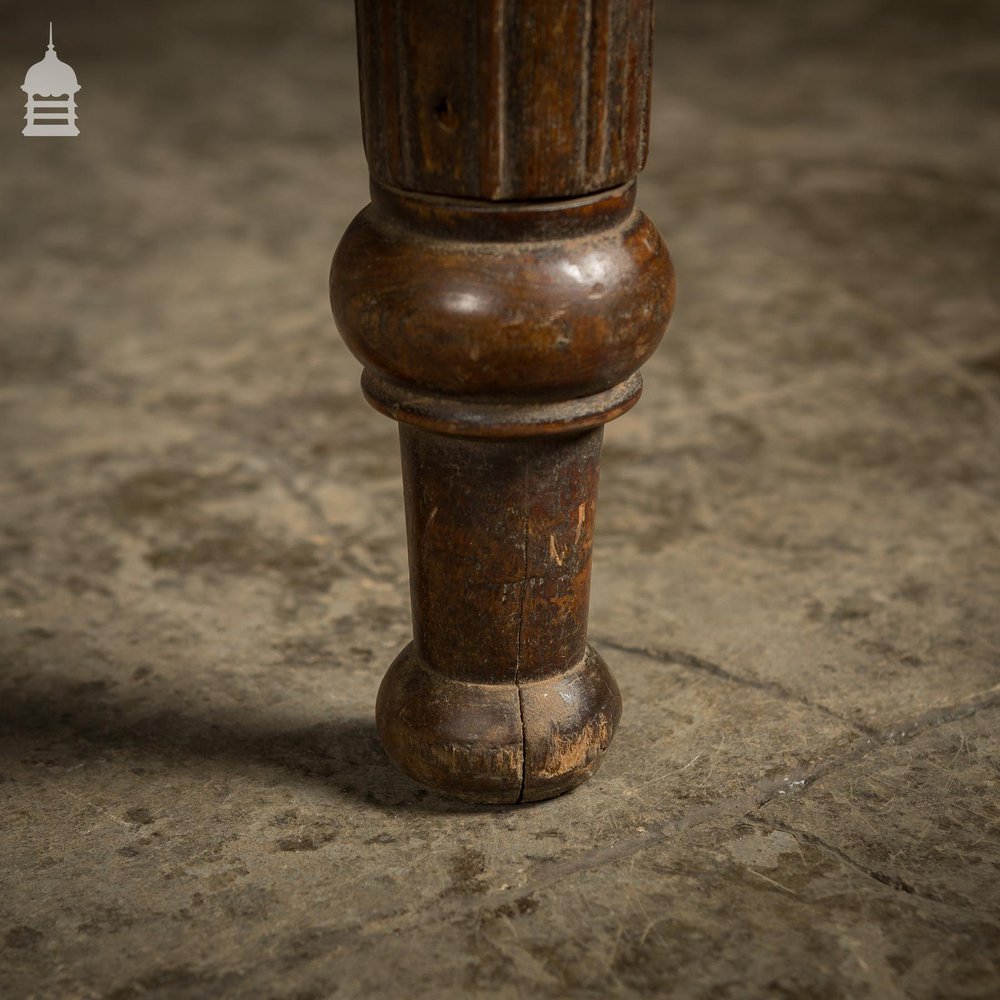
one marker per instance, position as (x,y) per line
(51,78)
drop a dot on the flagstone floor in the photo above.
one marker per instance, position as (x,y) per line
(797,572)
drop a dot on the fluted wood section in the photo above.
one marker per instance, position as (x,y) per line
(468,97)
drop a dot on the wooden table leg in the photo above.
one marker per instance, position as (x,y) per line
(502,291)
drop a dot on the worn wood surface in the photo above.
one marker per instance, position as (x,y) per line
(502,291)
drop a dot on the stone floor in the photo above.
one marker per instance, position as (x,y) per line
(797,576)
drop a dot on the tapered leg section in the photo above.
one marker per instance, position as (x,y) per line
(500,537)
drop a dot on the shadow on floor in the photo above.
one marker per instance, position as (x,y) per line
(70,724)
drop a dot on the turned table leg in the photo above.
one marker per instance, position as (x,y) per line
(502,291)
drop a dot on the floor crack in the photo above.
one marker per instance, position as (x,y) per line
(741,805)
(883,878)
(684,659)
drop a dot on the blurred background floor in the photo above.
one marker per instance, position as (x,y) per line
(797,571)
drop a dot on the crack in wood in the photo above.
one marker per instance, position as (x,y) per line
(520,631)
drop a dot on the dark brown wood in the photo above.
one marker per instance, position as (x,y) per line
(505,99)
(502,291)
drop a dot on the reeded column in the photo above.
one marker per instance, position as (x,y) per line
(501,291)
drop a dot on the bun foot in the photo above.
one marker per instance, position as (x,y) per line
(497,743)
